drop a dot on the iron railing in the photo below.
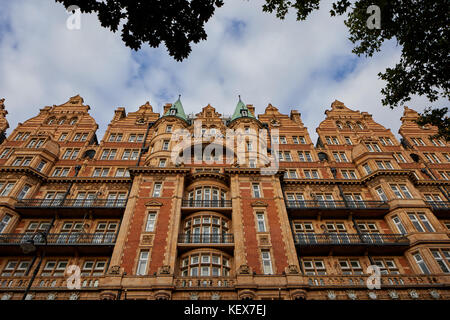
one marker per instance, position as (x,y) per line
(71,239)
(209,238)
(72,203)
(206,203)
(336,204)
(439,205)
(312,239)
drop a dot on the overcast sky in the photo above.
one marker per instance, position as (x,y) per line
(291,64)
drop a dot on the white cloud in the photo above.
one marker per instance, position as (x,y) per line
(287,63)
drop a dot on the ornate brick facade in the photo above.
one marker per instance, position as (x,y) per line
(142,224)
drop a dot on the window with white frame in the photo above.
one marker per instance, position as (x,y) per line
(151,219)
(420,222)
(442,257)
(261,221)
(367,168)
(314,267)
(23,193)
(421,263)
(108,154)
(157,190)
(401,191)
(387,266)
(266,261)
(256,190)
(311,174)
(142,263)
(4,222)
(399,225)
(6,188)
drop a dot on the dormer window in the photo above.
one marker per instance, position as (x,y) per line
(244,113)
(173,112)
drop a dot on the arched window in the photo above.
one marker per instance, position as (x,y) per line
(349,125)
(73,120)
(62,120)
(207,196)
(51,120)
(339,125)
(205,264)
(206,228)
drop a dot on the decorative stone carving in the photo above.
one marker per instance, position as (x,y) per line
(393,294)
(259,204)
(194,296)
(74,296)
(108,295)
(434,294)
(51,296)
(164,270)
(153,203)
(247,295)
(413,294)
(331,295)
(372,295)
(352,295)
(292,269)
(244,269)
(215,296)
(6,296)
(298,295)
(114,270)
(147,239)
(162,295)
(264,240)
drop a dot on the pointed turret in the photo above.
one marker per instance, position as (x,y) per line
(241,111)
(177,110)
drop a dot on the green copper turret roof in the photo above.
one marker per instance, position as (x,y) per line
(179,111)
(238,111)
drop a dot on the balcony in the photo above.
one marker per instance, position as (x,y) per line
(57,243)
(105,208)
(440,208)
(205,240)
(387,281)
(336,208)
(216,205)
(204,283)
(350,244)
(19,283)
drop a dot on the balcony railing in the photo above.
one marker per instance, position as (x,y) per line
(439,205)
(208,238)
(392,280)
(63,239)
(72,203)
(313,239)
(336,204)
(193,282)
(206,203)
(21,282)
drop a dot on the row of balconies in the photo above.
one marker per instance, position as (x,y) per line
(313,281)
(290,204)
(58,243)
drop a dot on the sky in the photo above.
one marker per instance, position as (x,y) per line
(303,65)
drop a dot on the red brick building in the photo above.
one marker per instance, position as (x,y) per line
(211,207)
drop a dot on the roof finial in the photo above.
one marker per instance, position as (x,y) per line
(239,97)
(179,96)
